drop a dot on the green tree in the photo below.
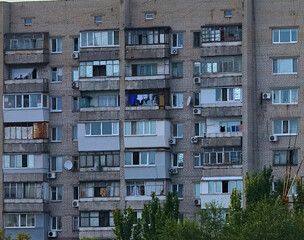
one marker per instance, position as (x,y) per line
(171,206)
(123,220)
(212,221)
(4,236)
(299,199)
(23,236)
(258,186)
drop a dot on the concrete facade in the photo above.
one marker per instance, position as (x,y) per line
(185,102)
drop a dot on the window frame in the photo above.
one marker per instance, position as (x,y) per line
(19,220)
(58,191)
(177,40)
(288,133)
(281,99)
(150,161)
(179,129)
(9,158)
(282,162)
(58,104)
(148,128)
(98,19)
(58,222)
(177,96)
(179,190)
(279,35)
(175,160)
(177,69)
(91,43)
(56,164)
(58,134)
(276,66)
(28,21)
(58,45)
(149,16)
(114,129)
(56,74)
(201,126)
(87,159)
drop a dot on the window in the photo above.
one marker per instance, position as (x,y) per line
(75,223)
(139,158)
(285,66)
(99,189)
(177,40)
(102,159)
(23,190)
(196,69)
(75,104)
(148,99)
(228,94)
(56,74)
(177,130)
(147,36)
(76,44)
(18,161)
(196,39)
(56,164)
(148,69)
(285,96)
(56,223)
(56,105)
(25,41)
(281,156)
(231,126)
(285,35)
(75,193)
(145,188)
(227,64)
(99,39)
(98,19)
(200,129)
(149,16)
(140,128)
(19,220)
(197,191)
(178,160)
(56,45)
(75,74)
(74,133)
(285,127)
(221,34)
(177,100)
(218,187)
(196,98)
(178,189)
(56,134)
(28,21)
(56,193)
(96,219)
(25,101)
(227,13)
(177,69)
(26,131)
(218,155)
(99,69)
(101,128)
(108,101)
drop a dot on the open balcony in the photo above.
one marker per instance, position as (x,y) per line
(25,48)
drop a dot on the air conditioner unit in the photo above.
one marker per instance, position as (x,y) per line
(51,175)
(75,55)
(174,51)
(197,80)
(52,234)
(173,171)
(75,85)
(172,141)
(75,203)
(266,96)
(273,138)
(194,140)
(197,111)
(197,202)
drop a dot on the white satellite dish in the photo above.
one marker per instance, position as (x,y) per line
(68,165)
(189,101)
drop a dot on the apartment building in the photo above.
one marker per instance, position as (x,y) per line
(107,101)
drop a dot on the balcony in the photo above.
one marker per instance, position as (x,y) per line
(99,83)
(217,110)
(221,141)
(26,115)
(157,170)
(159,139)
(25,205)
(223,81)
(108,53)
(159,51)
(147,82)
(102,174)
(26,85)
(210,50)
(26,48)
(97,142)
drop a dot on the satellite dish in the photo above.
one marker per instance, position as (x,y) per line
(188,101)
(68,165)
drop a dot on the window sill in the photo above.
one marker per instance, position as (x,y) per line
(147,135)
(116,135)
(55,82)
(284,42)
(278,74)
(138,166)
(177,108)
(56,111)
(285,134)
(56,141)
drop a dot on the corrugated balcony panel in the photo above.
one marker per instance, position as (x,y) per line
(227,49)
(221,141)
(26,177)
(223,81)
(147,51)
(92,204)
(152,112)
(221,111)
(96,84)
(150,83)
(26,57)
(100,55)
(87,174)
(25,206)
(95,114)
(149,172)
(26,115)
(26,85)
(26,146)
